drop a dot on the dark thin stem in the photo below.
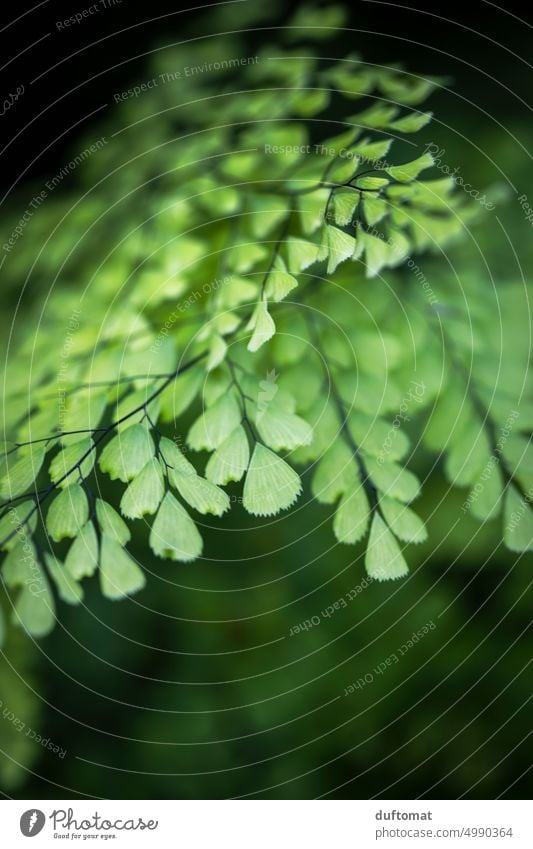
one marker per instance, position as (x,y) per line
(364,475)
(243,399)
(275,253)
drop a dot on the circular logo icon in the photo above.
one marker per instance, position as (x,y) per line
(32,822)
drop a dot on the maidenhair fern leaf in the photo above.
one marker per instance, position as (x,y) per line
(412,123)
(82,557)
(262,325)
(201,494)
(144,494)
(403,521)
(111,523)
(281,430)
(384,560)
(410,170)
(230,461)
(120,575)
(518,521)
(340,247)
(351,518)
(69,590)
(174,535)
(213,327)
(13,519)
(22,469)
(68,513)
(270,485)
(35,607)
(215,424)
(126,454)
(68,459)
(280,283)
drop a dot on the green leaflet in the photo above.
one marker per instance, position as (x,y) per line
(201,494)
(268,211)
(410,170)
(174,535)
(174,458)
(384,560)
(518,521)
(352,82)
(406,90)
(341,246)
(244,257)
(377,253)
(215,424)
(180,394)
(126,454)
(351,518)
(22,469)
(378,437)
(82,557)
(403,521)
(68,513)
(84,411)
(343,169)
(373,184)
(68,589)
(335,473)
(379,116)
(469,454)
(485,498)
(270,485)
(143,495)
(12,520)
(373,151)
(374,209)
(412,123)
(111,523)
(230,461)
(35,607)
(68,458)
(312,207)
(300,254)
(282,430)
(345,202)
(393,480)
(20,567)
(120,575)
(217,352)
(279,282)
(262,325)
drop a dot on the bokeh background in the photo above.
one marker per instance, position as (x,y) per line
(196,688)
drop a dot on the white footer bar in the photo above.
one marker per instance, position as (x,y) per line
(269,824)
